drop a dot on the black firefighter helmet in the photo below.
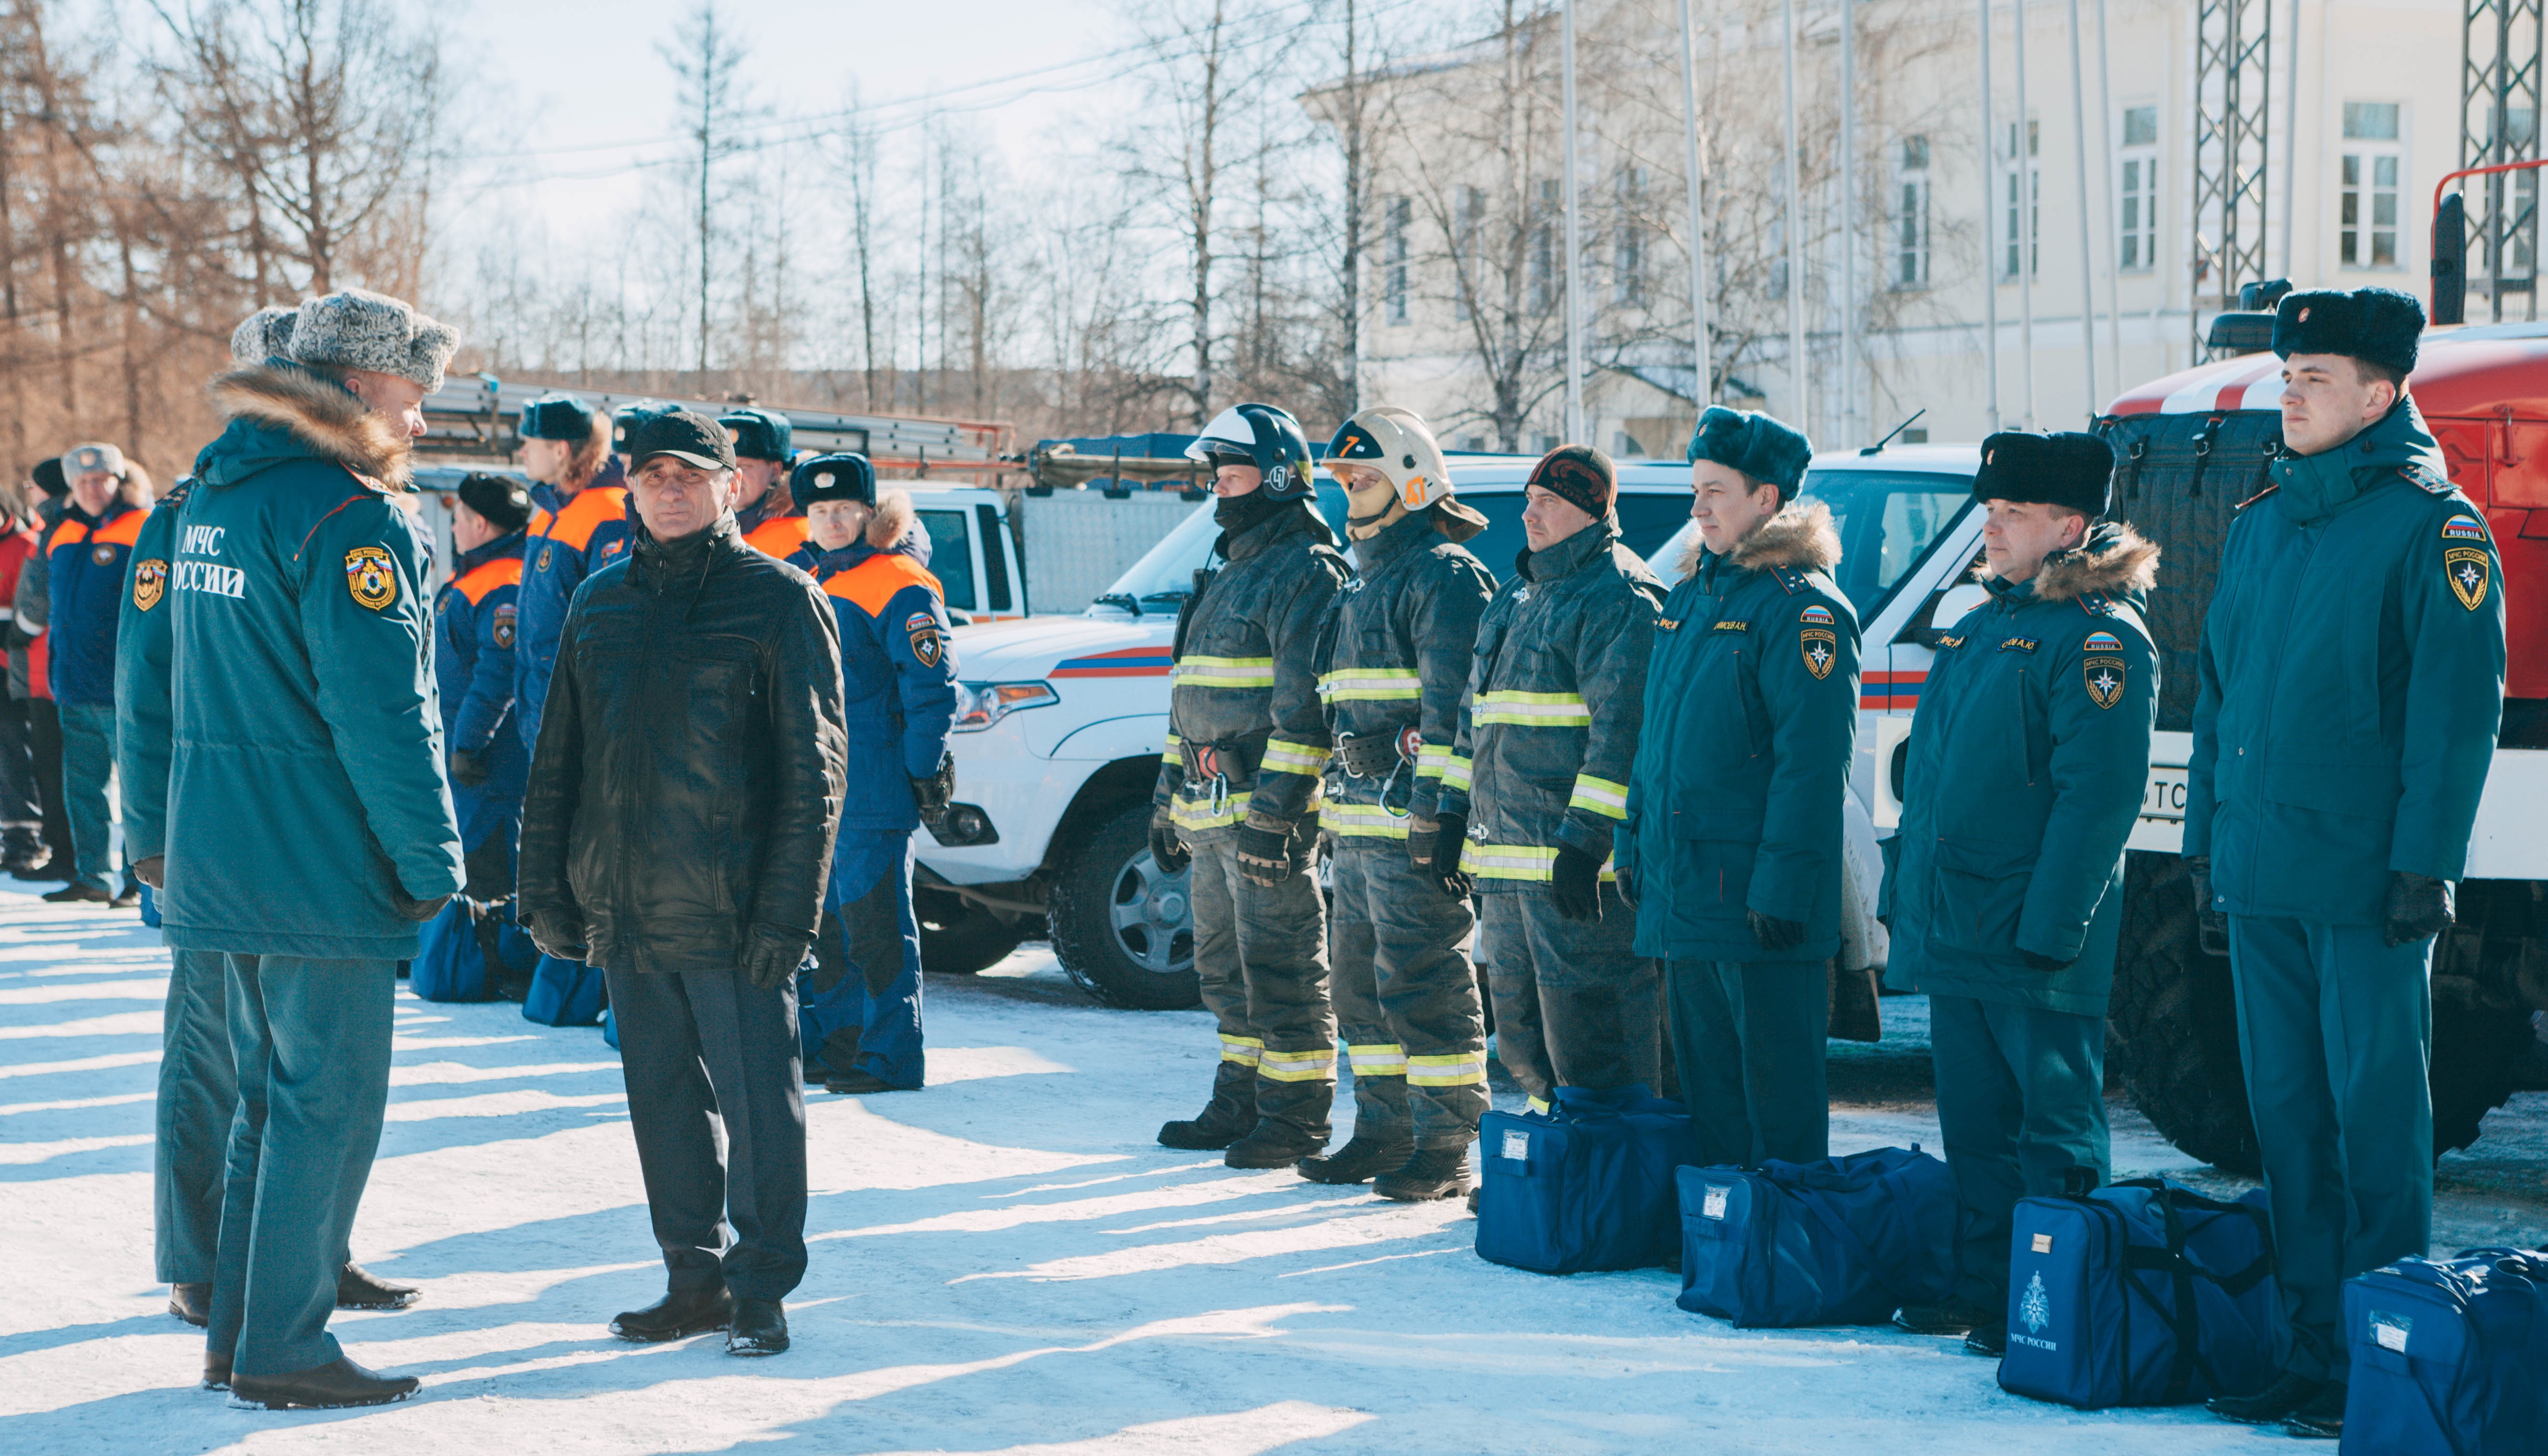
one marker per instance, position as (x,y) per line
(1266,437)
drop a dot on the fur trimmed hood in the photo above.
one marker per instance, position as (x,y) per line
(321,414)
(893,519)
(2114,561)
(1800,536)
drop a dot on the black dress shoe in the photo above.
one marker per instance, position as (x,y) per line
(358,1288)
(77,894)
(678,1315)
(856,1083)
(2323,1419)
(2275,1403)
(331,1387)
(192,1303)
(216,1371)
(128,898)
(760,1327)
(1987,1340)
(1954,1316)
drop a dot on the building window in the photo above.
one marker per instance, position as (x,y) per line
(2021,222)
(2366,229)
(1911,216)
(1474,443)
(1400,213)
(1468,219)
(1628,241)
(1544,280)
(2136,206)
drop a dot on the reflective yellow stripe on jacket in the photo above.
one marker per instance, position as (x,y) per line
(1282,755)
(1533,710)
(1455,772)
(1196,812)
(1223,672)
(1369,821)
(1599,795)
(1371,685)
(1433,760)
(1515,862)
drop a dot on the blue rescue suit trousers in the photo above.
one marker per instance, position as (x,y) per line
(88,764)
(2336,1031)
(198,1097)
(861,997)
(2021,1102)
(312,1040)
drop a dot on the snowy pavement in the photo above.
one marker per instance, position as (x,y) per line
(1003,1262)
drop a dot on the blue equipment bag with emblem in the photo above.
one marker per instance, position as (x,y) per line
(2145,1293)
(2447,1356)
(1847,1240)
(1585,1185)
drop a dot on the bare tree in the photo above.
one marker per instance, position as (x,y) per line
(706,56)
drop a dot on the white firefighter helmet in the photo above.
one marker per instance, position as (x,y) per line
(1397,443)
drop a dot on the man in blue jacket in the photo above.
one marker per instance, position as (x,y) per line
(2027,760)
(1732,846)
(2352,679)
(85,555)
(307,828)
(898,668)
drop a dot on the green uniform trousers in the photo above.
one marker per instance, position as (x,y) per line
(2336,1031)
(1575,1003)
(1749,1037)
(313,1043)
(2021,1102)
(198,1095)
(1261,953)
(1406,1000)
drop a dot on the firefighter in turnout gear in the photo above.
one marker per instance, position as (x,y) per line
(1239,790)
(2028,760)
(1540,779)
(1406,998)
(772,520)
(2352,679)
(1732,850)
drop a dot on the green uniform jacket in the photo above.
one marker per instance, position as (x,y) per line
(305,769)
(142,702)
(2028,759)
(1756,650)
(1549,726)
(1243,695)
(2352,682)
(1406,627)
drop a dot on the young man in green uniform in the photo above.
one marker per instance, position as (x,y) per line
(1732,848)
(2352,677)
(2027,760)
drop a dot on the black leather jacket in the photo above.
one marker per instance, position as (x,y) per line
(691,757)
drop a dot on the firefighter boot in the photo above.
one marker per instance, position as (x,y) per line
(1433,1172)
(1291,1124)
(1381,1140)
(1358,1162)
(1223,1120)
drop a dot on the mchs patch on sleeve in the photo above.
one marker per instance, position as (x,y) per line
(370,576)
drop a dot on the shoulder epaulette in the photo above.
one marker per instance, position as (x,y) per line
(177,492)
(2259,495)
(2432,481)
(2097,604)
(1791,578)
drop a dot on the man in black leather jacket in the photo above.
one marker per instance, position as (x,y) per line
(676,833)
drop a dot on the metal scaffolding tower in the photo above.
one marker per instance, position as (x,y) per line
(2232,89)
(2499,49)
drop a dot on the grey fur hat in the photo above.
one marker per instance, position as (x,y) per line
(350,330)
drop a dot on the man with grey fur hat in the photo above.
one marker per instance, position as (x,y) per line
(296,621)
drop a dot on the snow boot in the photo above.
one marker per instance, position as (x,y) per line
(216,1371)
(2323,1419)
(1223,1120)
(1987,1340)
(678,1315)
(1433,1172)
(1273,1144)
(358,1288)
(1954,1316)
(1358,1162)
(758,1327)
(331,1387)
(2288,1395)
(192,1303)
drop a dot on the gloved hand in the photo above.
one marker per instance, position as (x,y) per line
(1775,933)
(1166,847)
(1626,879)
(2419,907)
(934,792)
(1423,836)
(153,871)
(469,768)
(2211,927)
(2046,963)
(1265,856)
(1450,837)
(772,955)
(419,911)
(1575,884)
(557,934)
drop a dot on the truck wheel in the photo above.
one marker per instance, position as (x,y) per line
(2177,1025)
(1122,927)
(958,936)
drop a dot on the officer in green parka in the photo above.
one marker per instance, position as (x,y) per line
(2027,760)
(1732,848)
(2352,677)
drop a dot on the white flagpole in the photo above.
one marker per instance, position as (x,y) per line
(1574,251)
(1851,431)
(2087,224)
(2025,224)
(1991,203)
(2105,148)
(1702,392)
(1796,364)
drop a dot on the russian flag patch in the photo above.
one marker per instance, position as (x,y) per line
(2463,527)
(1815,616)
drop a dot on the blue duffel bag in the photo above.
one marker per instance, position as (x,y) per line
(2449,1357)
(1847,1240)
(2145,1293)
(1585,1185)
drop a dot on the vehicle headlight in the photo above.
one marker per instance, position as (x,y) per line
(978,705)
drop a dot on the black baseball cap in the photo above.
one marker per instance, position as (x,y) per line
(691,438)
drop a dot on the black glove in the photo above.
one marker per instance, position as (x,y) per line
(469,768)
(1626,879)
(2211,927)
(2419,907)
(933,793)
(557,934)
(1423,837)
(2046,963)
(1265,857)
(772,955)
(1450,838)
(1575,884)
(419,911)
(153,871)
(1775,933)
(1166,847)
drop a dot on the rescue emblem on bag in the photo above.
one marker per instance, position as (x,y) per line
(924,637)
(150,584)
(371,578)
(2036,1310)
(2469,571)
(1821,648)
(2104,668)
(503,629)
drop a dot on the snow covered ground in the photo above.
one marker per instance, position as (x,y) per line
(1003,1262)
